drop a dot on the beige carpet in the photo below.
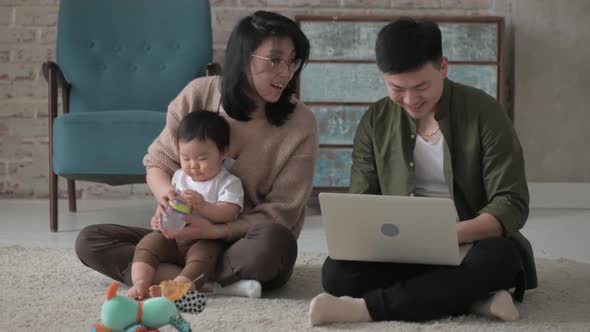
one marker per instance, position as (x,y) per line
(49,290)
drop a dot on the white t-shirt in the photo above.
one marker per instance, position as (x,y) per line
(429,167)
(224,187)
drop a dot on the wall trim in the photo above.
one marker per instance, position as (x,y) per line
(544,195)
(559,195)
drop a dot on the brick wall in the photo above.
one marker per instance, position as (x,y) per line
(27,38)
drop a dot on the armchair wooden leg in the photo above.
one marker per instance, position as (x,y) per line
(72,195)
(52,85)
(52,201)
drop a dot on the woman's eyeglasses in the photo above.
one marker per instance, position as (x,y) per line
(277,64)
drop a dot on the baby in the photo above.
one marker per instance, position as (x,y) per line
(210,190)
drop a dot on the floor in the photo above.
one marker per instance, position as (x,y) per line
(554,233)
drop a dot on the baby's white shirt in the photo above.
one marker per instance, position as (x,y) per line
(224,187)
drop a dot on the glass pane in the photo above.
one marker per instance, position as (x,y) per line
(342,82)
(469,41)
(342,40)
(363,83)
(482,77)
(333,168)
(337,124)
(356,40)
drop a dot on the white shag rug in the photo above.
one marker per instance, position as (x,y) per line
(50,290)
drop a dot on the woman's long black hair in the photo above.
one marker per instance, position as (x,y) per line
(246,37)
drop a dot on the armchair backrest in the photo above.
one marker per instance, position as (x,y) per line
(129,54)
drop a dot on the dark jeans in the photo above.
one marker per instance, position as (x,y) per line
(267,253)
(413,292)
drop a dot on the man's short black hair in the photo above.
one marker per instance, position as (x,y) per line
(406,45)
(204,125)
(245,38)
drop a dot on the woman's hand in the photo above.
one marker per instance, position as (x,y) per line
(198,228)
(165,197)
(155,222)
(159,182)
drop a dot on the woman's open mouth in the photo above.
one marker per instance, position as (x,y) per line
(278,85)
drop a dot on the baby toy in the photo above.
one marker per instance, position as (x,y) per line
(124,314)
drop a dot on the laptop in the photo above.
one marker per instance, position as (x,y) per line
(394,229)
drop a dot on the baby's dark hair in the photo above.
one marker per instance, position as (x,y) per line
(204,125)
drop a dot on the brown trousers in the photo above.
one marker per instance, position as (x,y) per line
(198,257)
(267,253)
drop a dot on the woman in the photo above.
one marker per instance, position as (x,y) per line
(272,150)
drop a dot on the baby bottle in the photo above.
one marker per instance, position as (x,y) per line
(175,217)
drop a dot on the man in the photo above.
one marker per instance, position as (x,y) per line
(436,138)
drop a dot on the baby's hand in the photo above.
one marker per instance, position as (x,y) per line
(194,199)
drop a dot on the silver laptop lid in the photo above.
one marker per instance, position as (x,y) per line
(390,228)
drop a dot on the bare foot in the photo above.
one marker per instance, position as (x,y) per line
(155,291)
(499,306)
(139,290)
(326,309)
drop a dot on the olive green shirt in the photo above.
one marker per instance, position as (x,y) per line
(483,160)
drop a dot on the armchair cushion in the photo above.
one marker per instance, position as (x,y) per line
(131,55)
(104,143)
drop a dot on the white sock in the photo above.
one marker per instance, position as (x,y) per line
(326,309)
(499,306)
(242,288)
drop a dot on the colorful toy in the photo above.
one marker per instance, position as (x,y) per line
(124,314)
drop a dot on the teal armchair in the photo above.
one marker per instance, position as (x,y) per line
(119,64)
